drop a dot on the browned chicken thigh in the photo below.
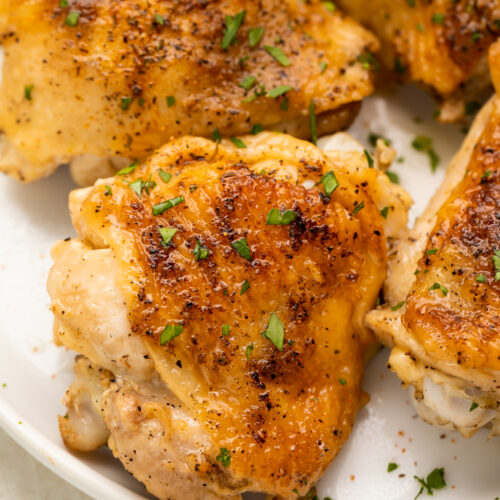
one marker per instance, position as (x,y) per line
(217,293)
(108,81)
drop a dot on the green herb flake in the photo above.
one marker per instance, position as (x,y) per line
(392,466)
(241,246)
(137,187)
(369,158)
(432,251)
(216,135)
(384,212)
(393,177)
(420,27)
(496,262)
(167,233)
(373,138)
(63,3)
(322,66)
(28,92)
(161,207)
(276,218)
(170,100)
(200,252)
(434,481)
(330,6)
(438,18)
(398,306)
(108,191)
(284,104)
(329,182)
(248,82)
(438,286)
(278,54)
(159,19)
(476,36)
(238,143)
(224,457)
(399,66)
(244,287)
(473,406)
(128,170)
(358,207)
(169,333)
(126,101)
(411,3)
(225,330)
(248,350)
(424,144)
(275,331)
(312,123)
(72,18)
(165,176)
(367,59)
(481,278)
(277,91)
(233,23)
(343,381)
(486,175)
(255,36)
(257,129)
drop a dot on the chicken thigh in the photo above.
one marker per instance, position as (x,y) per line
(217,294)
(442,319)
(98,83)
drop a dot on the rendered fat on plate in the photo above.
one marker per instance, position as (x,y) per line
(442,44)
(443,314)
(222,340)
(101,82)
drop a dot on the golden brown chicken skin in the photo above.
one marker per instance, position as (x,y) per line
(444,289)
(99,81)
(441,44)
(254,323)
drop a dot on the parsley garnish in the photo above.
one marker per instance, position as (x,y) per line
(244,287)
(277,91)
(312,123)
(373,138)
(170,100)
(277,54)
(275,217)
(28,92)
(435,481)
(241,246)
(473,406)
(398,306)
(165,176)
(322,66)
(284,104)
(225,330)
(486,175)
(224,457)
(232,26)
(384,212)
(126,101)
(432,251)
(481,278)
(438,286)
(127,170)
(200,252)
(248,350)
(496,263)
(330,6)
(161,207)
(137,187)
(63,3)
(369,158)
(255,35)
(358,207)
(238,143)
(72,18)
(399,66)
(424,144)
(167,233)
(257,129)
(343,381)
(392,466)
(216,135)
(438,18)
(393,177)
(170,332)
(329,182)
(275,331)
(108,191)
(248,82)
(159,19)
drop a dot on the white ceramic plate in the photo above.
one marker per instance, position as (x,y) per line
(37,373)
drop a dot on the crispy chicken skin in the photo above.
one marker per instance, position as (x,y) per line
(444,285)
(441,44)
(278,409)
(126,76)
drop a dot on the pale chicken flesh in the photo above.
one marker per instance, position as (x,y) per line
(99,82)
(218,297)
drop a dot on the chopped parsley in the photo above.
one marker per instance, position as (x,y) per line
(225,330)
(420,27)
(329,182)
(367,59)
(399,305)
(164,176)
(393,176)
(137,187)
(72,18)
(159,19)
(438,18)
(233,23)
(276,218)
(193,187)
(392,466)
(330,6)
(63,3)
(399,66)
(169,333)
(473,406)
(496,263)
(161,207)
(257,129)
(358,207)
(248,350)
(384,212)
(224,457)
(369,158)
(277,91)
(238,143)
(127,170)
(275,331)
(108,191)
(343,381)
(248,82)
(322,66)
(170,100)
(241,246)
(216,135)
(431,251)
(486,175)
(200,252)
(481,278)
(278,54)
(28,92)
(373,138)
(434,481)
(438,286)
(255,36)
(166,233)
(424,144)
(126,101)
(284,104)
(312,123)
(244,287)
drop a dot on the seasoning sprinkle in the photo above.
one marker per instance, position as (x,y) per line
(278,54)
(276,218)
(238,142)
(244,287)
(127,170)
(275,331)
(161,207)
(233,23)
(165,176)
(330,183)
(167,233)
(248,350)
(200,252)
(169,333)
(241,246)
(255,35)
(438,286)
(224,457)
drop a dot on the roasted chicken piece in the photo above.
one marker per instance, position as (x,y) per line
(98,82)
(443,290)
(442,44)
(217,293)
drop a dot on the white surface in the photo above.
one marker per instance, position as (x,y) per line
(37,373)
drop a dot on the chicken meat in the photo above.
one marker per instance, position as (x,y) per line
(216,298)
(441,44)
(108,81)
(442,319)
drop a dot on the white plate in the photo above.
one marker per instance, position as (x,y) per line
(37,373)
